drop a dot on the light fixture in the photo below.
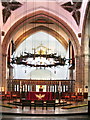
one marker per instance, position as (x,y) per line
(40,58)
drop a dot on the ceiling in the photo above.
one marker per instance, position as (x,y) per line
(61,19)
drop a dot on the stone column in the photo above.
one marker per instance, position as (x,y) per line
(71,73)
(78,82)
(71,78)
(89,65)
(85,74)
(4,69)
(10,72)
(0,62)
(10,77)
(86,59)
(89,85)
(0,73)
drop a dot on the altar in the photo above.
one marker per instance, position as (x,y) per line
(39,96)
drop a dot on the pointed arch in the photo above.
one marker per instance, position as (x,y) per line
(41,13)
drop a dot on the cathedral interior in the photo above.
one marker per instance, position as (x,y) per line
(45,57)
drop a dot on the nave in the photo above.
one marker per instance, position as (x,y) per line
(44,57)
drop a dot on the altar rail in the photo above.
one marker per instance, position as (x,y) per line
(26,85)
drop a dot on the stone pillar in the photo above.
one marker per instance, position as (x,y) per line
(4,69)
(10,77)
(85,74)
(71,73)
(89,65)
(78,82)
(0,62)
(86,49)
(86,60)
(10,72)
(0,73)
(89,85)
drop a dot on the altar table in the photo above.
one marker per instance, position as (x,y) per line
(39,96)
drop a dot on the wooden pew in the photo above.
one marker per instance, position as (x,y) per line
(26,103)
(38,103)
(50,103)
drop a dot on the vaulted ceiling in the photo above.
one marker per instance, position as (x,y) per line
(72,7)
(62,19)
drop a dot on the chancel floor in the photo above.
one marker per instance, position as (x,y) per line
(76,117)
(50,111)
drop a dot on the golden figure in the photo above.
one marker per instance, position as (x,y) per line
(40,96)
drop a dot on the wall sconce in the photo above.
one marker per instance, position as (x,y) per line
(79,90)
(86,89)
(2,89)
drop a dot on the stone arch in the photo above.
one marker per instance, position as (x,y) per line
(45,29)
(41,13)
